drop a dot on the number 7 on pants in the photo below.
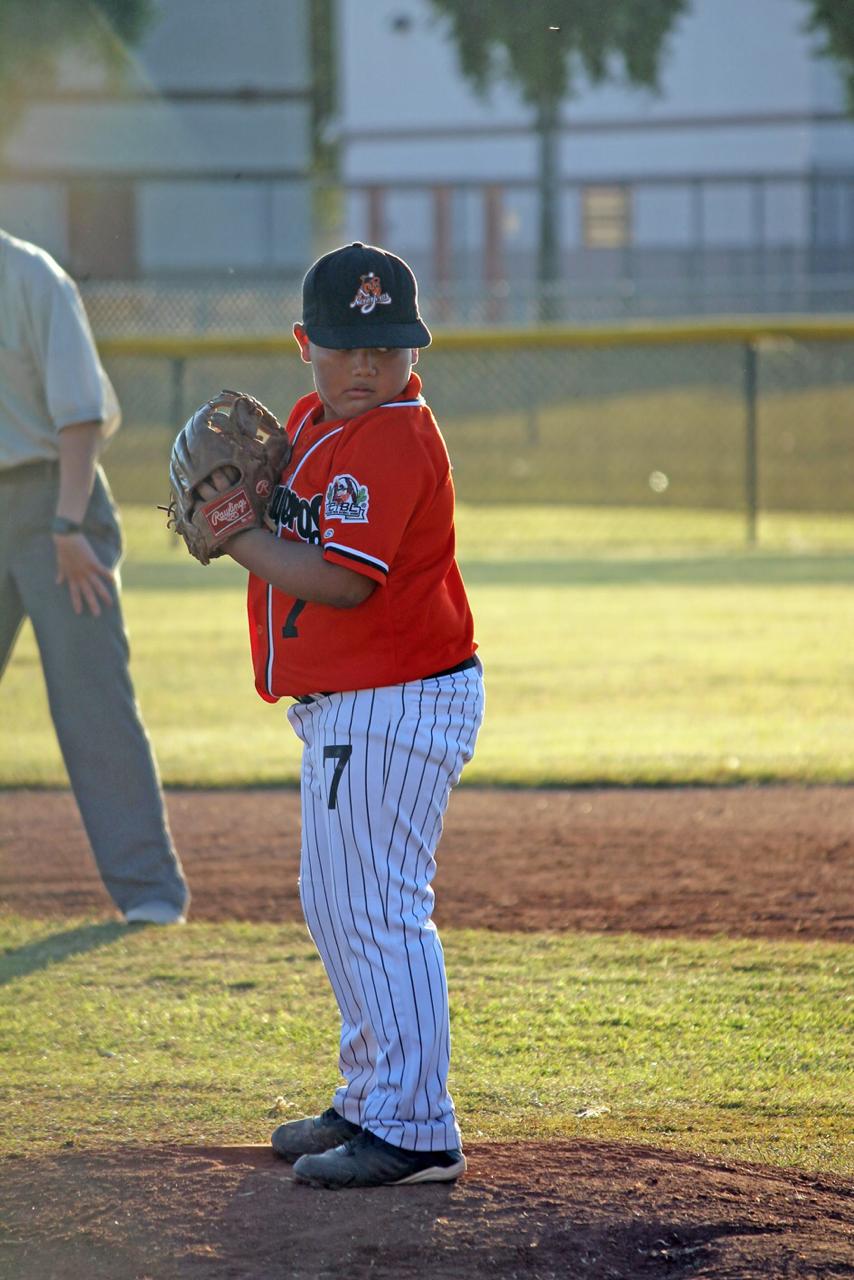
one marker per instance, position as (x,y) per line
(341,754)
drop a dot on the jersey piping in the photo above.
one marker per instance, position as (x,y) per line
(304,459)
(268,678)
(268,674)
(298,431)
(358,555)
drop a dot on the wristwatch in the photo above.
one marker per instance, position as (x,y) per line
(62,525)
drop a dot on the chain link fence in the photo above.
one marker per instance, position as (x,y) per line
(152,308)
(755,418)
(158,308)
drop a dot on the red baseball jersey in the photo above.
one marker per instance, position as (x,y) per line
(375,492)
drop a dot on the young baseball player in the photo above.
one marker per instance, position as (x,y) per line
(358,612)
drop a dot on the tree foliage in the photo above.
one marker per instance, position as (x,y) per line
(834,21)
(544,46)
(33,34)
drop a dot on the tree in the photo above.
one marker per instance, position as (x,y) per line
(834,19)
(324,92)
(33,35)
(544,47)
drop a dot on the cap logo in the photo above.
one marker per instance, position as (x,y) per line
(369,293)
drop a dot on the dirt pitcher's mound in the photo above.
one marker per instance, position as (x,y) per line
(769,862)
(550,1211)
(750,861)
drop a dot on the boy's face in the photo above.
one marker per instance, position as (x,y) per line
(353,382)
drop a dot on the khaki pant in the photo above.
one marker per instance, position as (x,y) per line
(106,750)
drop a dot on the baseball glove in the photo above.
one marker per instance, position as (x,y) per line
(236,436)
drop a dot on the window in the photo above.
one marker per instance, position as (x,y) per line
(606,217)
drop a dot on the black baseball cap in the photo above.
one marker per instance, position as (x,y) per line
(362,296)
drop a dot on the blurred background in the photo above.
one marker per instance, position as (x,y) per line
(632,224)
(624,170)
(579,160)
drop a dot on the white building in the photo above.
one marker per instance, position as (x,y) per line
(731,189)
(192,164)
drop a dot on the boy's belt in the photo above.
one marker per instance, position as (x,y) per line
(305,698)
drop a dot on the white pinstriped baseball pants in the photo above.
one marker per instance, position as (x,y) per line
(378,768)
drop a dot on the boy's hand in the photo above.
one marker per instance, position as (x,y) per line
(217,482)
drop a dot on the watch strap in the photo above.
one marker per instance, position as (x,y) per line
(62,525)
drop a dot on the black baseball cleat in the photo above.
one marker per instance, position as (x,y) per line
(312,1135)
(368,1161)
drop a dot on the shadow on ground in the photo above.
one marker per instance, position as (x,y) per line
(20,961)
(543,1210)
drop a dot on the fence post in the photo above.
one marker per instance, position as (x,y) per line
(532,411)
(751,449)
(179,366)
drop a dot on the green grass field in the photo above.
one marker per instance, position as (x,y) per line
(621,646)
(728,1048)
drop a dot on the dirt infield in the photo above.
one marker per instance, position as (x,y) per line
(748,862)
(542,1211)
(752,862)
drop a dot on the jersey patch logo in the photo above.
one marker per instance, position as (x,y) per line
(369,293)
(346,499)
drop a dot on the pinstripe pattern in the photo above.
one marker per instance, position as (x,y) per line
(366,891)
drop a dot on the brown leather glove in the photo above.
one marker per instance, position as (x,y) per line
(233,430)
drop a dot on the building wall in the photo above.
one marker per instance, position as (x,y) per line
(739,86)
(196,163)
(745,156)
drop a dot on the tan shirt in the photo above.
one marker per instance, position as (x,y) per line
(50,372)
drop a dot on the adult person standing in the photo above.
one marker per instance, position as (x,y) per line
(60,548)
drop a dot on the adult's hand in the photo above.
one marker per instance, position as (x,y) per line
(90,583)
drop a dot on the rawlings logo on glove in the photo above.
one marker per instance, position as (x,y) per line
(232,446)
(227,515)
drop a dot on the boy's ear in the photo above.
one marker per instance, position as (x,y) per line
(302,341)
(415,355)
